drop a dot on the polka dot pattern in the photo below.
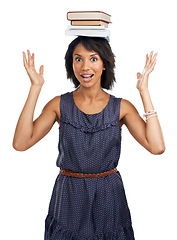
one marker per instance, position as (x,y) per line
(89,208)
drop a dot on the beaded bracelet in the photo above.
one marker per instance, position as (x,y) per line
(150,112)
(153,115)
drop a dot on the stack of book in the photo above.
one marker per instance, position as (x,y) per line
(88,23)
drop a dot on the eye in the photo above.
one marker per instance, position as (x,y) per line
(78,59)
(94,59)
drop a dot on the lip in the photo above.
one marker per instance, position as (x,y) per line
(87,77)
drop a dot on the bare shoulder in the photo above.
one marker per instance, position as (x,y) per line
(53,106)
(126,107)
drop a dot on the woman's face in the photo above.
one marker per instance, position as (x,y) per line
(87,66)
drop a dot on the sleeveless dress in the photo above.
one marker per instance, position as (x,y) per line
(88,208)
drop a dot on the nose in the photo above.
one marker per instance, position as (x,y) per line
(85,65)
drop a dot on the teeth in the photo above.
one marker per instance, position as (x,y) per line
(86,76)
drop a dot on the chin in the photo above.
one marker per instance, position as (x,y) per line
(89,83)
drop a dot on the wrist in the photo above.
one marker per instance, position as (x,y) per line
(142,84)
(144,92)
(36,87)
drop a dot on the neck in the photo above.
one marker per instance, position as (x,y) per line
(89,93)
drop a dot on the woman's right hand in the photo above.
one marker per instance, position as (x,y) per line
(36,78)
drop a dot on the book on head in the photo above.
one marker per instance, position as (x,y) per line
(89,23)
(89,15)
(89,31)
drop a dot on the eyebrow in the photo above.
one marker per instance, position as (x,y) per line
(77,54)
(93,54)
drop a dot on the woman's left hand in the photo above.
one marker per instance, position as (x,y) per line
(142,83)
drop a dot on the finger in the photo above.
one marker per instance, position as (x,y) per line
(155,55)
(24,59)
(150,57)
(146,60)
(138,84)
(153,64)
(153,60)
(32,59)
(138,75)
(29,57)
(151,53)
(41,70)
(151,68)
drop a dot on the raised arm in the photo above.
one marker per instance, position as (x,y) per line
(29,132)
(148,133)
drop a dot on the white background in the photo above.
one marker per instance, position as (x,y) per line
(27,178)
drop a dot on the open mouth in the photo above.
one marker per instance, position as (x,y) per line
(87,77)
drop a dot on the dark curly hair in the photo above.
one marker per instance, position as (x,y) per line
(102,47)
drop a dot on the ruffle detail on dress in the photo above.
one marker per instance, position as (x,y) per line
(91,129)
(54,231)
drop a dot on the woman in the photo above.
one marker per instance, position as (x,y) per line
(88,199)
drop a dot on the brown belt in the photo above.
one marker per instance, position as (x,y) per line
(86,175)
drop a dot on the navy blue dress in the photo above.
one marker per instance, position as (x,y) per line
(89,208)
